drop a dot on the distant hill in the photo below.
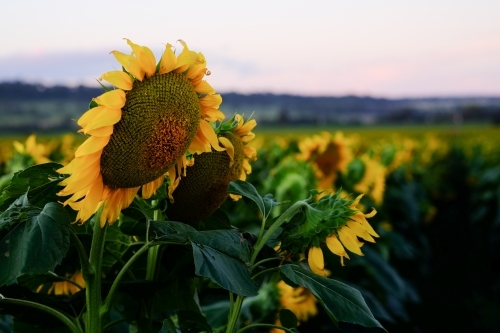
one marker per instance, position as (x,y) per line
(32,107)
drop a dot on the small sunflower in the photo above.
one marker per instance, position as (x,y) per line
(141,130)
(37,151)
(328,155)
(298,300)
(65,287)
(203,187)
(373,180)
(346,236)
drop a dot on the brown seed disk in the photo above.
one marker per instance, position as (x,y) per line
(159,120)
(204,189)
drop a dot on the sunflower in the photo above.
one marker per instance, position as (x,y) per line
(65,287)
(346,236)
(373,180)
(203,187)
(37,151)
(141,129)
(298,300)
(328,155)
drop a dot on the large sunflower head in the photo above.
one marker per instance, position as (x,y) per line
(203,187)
(141,129)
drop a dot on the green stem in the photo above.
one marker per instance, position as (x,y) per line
(261,241)
(93,281)
(109,299)
(264,271)
(235,312)
(258,263)
(152,261)
(265,325)
(66,321)
(286,216)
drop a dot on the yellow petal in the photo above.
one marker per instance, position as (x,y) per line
(91,145)
(248,137)
(102,132)
(360,231)
(356,201)
(316,261)
(114,99)
(229,148)
(87,117)
(145,57)
(335,246)
(250,152)
(199,144)
(103,119)
(168,60)
(213,101)
(204,88)
(150,188)
(92,199)
(212,114)
(130,64)
(79,162)
(18,146)
(119,79)
(360,217)
(371,214)
(186,58)
(81,181)
(210,135)
(349,242)
(246,128)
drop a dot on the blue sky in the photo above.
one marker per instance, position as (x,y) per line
(385,48)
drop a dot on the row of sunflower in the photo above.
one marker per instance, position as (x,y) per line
(129,229)
(123,231)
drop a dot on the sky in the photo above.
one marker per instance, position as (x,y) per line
(380,48)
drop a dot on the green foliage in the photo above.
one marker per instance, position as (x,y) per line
(341,302)
(36,242)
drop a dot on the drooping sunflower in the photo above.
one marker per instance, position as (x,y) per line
(298,300)
(328,154)
(346,236)
(203,187)
(141,130)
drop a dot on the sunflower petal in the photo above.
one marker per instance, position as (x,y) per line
(130,64)
(204,88)
(229,148)
(114,99)
(91,145)
(316,261)
(103,119)
(119,79)
(168,60)
(210,135)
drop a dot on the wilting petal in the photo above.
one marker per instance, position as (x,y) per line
(360,231)
(168,60)
(210,135)
(360,217)
(336,247)
(114,99)
(130,64)
(349,241)
(119,79)
(229,148)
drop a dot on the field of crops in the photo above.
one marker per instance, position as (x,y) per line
(435,265)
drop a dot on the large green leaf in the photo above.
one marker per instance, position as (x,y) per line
(37,245)
(265,203)
(341,302)
(223,267)
(42,181)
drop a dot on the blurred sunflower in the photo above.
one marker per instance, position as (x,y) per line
(328,155)
(65,287)
(346,236)
(141,130)
(203,186)
(37,151)
(298,300)
(373,180)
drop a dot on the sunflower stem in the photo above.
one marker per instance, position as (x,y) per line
(93,322)
(234,314)
(63,318)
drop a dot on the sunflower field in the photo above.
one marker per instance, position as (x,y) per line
(163,215)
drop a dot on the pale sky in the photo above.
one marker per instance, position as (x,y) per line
(392,48)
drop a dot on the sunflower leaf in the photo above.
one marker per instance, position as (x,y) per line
(36,244)
(341,302)
(42,181)
(265,203)
(288,318)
